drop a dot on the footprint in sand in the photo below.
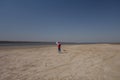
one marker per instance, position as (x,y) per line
(65,51)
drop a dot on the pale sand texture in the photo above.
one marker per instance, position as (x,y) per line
(76,62)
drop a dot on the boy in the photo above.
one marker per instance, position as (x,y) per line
(59,46)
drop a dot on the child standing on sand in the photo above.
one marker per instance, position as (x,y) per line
(59,46)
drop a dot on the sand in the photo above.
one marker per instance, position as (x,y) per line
(75,62)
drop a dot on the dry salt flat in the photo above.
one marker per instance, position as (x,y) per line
(75,62)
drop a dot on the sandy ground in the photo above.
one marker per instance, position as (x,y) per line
(76,62)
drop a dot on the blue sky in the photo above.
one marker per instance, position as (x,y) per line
(60,20)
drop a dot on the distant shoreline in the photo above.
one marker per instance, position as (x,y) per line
(28,43)
(62,42)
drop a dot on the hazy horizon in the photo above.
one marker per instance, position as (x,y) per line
(60,20)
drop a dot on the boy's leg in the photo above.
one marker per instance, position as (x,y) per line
(59,50)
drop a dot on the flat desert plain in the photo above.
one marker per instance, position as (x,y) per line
(75,62)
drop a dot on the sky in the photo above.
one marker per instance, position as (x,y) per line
(60,20)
